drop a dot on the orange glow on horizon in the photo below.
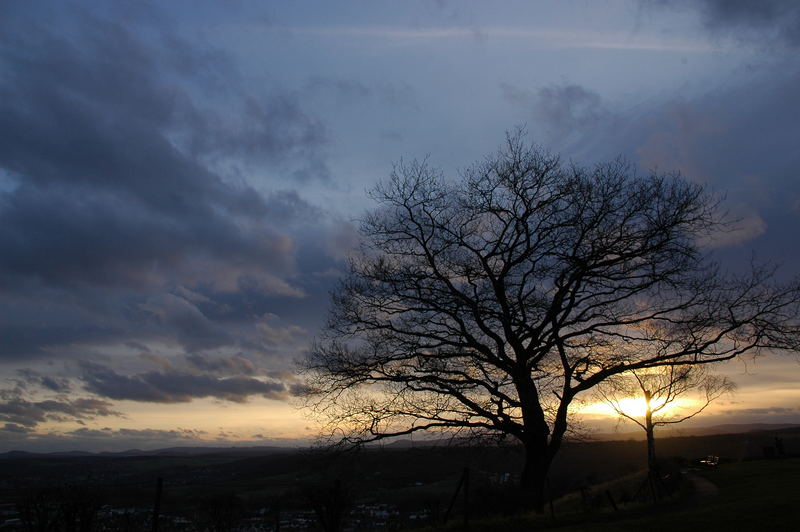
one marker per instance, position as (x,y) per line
(636,407)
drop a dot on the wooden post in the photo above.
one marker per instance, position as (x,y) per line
(455,498)
(466,497)
(157,504)
(611,500)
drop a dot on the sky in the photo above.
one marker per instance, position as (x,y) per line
(181,182)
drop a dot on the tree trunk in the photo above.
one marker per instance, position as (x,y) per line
(533,480)
(538,454)
(652,464)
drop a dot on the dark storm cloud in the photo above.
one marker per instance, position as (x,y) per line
(766,21)
(116,222)
(176,386)
(17,409)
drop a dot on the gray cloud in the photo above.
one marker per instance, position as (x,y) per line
(236,365)
(343,90)
(189,325)
(30,377)
(91,147)
(766,411)
(14,428)
(275,129)
(176,386)
(767,21)
(20,411)
(561,111)
(739,139)
(354,92)
(141,434)
(756,374)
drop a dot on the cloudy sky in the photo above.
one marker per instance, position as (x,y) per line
(180,182)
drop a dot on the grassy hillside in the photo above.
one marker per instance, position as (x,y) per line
(754,495)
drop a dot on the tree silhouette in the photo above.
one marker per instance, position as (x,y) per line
(660,388)
(486,304)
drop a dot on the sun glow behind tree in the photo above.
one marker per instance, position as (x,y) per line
(637,407)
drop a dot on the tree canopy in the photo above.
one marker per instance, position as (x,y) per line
(486,304)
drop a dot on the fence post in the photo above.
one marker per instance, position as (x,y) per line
(455,497)
(550,499)
(157,504)
(466,497)
(611,500)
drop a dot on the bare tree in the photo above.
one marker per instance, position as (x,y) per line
(660,388)
(487,304)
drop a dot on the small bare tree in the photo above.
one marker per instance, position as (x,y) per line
(487,304)
(659,388)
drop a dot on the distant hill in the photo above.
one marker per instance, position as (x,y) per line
(244,452)
(170,451)
(194,451)
(729,428)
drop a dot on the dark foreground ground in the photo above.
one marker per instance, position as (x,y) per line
(758,495)
(595,486)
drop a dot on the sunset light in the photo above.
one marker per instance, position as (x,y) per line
(635,407)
